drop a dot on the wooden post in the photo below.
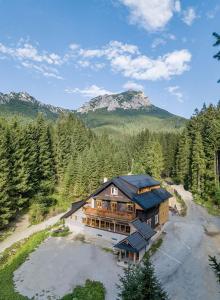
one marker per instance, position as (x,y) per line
(134,257)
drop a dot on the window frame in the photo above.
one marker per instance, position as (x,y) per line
(115,189)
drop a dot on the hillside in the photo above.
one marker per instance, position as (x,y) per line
(127,112)
(124,113)
(24,105)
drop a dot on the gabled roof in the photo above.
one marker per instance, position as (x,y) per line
(140,181)
(134,242)
(130,188)
(150,199)
(143,228)
(137,240)
(75,206)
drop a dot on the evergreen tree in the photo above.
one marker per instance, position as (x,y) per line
(215,266)
(182,159)
(7,195)
(197,165)
(140,283)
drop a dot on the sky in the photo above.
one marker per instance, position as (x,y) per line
(65,52)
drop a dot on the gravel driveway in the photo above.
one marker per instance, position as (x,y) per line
(182,261)
(59,264)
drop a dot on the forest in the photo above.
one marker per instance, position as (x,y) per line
(47,165)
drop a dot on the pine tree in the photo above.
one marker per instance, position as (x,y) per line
(198,165)
(215,266)
(7,195)
(140,283)
(183,159)
(153,159)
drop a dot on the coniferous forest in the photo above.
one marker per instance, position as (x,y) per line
(44,163)
(46,166)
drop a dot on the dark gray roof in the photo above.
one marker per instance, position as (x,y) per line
(75,206)
(135,240)
(143,228)
(140,181)
(145,200)
(150,199)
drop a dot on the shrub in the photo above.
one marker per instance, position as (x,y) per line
(92,290)
(61,232)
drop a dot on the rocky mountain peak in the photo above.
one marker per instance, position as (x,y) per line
(126,100)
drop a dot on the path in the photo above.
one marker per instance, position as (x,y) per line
(23,230)
(182,261)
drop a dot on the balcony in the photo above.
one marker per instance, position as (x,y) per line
(106,213)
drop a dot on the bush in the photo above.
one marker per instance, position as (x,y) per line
(12,259)
(61,232)
(92,290)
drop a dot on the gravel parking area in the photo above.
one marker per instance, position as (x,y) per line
(59,264)
(182,263)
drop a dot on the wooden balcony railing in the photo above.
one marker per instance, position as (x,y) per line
(106,213)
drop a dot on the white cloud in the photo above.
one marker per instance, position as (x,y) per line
(29,57)
(189,15)
(127,59)
(42,69)
(144,68)
(151,14)
(212,13)
(91,91)
(158,42)
(131,85)
(74,46)
(175,91)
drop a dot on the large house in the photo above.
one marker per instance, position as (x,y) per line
(128,210)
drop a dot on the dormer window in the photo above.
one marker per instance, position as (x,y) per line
(114,191)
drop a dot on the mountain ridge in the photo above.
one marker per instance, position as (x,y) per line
(125,113)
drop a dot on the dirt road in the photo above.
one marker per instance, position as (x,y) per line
(182,261)
(23,230)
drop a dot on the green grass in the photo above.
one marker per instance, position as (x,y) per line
(92,290)
(211,208)
(11,259)
(107,249)
(65,231)
(180,200)
(153,249)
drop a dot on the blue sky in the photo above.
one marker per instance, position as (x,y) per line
(66,52)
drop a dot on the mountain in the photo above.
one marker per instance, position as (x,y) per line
(25,105)
(127,112)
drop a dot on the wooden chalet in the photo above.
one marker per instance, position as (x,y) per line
(126,209)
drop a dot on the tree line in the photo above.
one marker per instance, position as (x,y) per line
(197,165)
(40,160)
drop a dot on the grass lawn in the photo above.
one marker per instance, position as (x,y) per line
(11,259)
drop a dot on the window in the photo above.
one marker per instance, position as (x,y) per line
(114,191)
(130,207)
(156,219)
(84,220)
(99,203)
(149,221)
(127,229)
(75,217)
(114,206)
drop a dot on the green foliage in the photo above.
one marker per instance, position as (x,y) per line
(11,259)
(155,246)
(120,123)
(215,266)
(140,283)
(92,290)
(196,156)
(217,43)
(60,232)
